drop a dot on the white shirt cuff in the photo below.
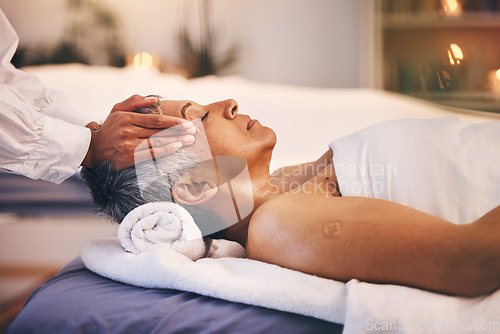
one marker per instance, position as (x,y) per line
(58,152)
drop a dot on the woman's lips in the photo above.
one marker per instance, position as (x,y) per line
(251,122)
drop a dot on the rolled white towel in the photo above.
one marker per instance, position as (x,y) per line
(161,224)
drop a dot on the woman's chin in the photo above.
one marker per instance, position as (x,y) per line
(272,137)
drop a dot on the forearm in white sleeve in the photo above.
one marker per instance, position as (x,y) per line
(41,136)
(36,145)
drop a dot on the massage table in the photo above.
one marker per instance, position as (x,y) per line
(305,119)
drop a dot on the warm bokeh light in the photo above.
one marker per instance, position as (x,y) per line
(455,54)
(452,7)
(494,83)
(143,61)
(451,58)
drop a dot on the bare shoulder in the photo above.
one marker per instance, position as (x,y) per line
(266,224)
(281,227)
(338,237)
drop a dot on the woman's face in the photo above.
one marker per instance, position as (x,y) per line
(228,133)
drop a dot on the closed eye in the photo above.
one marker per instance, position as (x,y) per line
(205,116)
(183,110)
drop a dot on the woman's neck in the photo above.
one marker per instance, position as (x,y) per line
(264,188)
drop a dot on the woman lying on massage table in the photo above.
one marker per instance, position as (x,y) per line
(410,202)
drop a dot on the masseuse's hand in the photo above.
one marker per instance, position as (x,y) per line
(121,133)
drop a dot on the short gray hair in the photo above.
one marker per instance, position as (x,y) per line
(116,193)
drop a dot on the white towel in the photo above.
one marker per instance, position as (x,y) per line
(234,279)
(161,224)
(445,167)
(386,308)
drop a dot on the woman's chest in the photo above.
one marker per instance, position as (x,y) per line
(323,183)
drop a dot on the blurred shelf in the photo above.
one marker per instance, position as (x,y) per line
(469,20)
(482,101)
(412,44)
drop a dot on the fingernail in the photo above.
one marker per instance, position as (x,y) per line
(151,98)
(187,140)
(187,125)
(191,131)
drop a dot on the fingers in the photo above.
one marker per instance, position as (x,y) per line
(147,120)
(157,142)
(150,148)
(140,133)
(151,152)
(171,132)
(134,102)
(162,122)
(156,147)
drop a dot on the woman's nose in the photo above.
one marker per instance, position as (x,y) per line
(230,108)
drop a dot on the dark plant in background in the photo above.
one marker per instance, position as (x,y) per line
(199,57)
(92,36)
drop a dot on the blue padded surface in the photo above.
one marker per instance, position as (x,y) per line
(78,301)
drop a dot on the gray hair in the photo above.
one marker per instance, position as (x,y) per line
(116,193)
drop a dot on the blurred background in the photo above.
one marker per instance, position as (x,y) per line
(442,51)
(287,41)
(445,51)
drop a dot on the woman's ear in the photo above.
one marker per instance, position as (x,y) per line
(188,192)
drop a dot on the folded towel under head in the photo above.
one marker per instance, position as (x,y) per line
(161,224)
(168,225)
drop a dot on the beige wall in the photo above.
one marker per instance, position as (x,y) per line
(304,42)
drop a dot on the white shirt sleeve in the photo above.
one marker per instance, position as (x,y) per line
(41,136)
